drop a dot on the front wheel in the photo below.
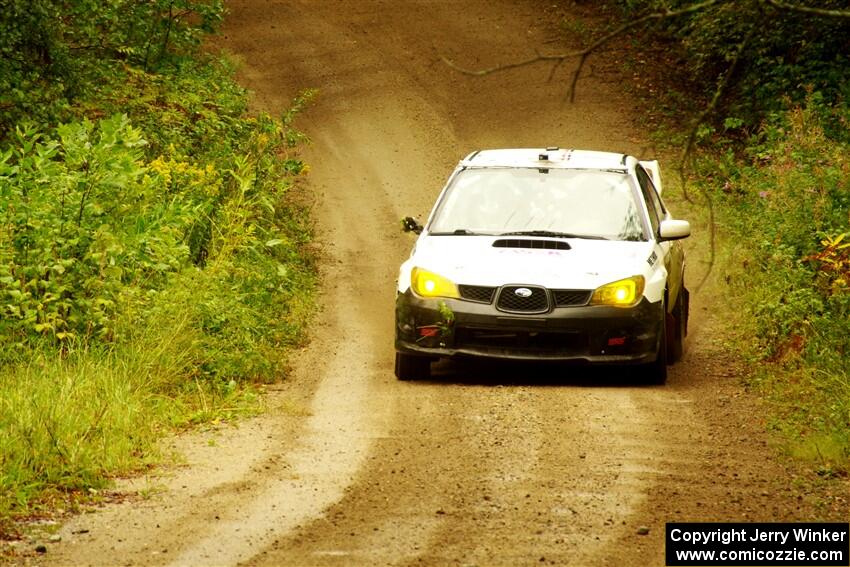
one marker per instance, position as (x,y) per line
(656,372)
(411,367)
(677,328)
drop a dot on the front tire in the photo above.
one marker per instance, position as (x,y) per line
(678,328)
(411,367)
(656,372)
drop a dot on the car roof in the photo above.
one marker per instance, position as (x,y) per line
(547,157)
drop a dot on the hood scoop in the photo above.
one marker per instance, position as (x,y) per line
(529,243)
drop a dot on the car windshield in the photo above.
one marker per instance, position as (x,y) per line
(579,203)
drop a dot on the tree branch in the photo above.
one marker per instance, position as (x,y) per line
(807,10)
(583,54)
(712,105)
(497,68)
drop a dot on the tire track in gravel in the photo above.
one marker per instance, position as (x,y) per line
(492,468)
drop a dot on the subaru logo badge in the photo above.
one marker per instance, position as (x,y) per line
(523,292)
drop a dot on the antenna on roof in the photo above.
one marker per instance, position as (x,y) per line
(545,157)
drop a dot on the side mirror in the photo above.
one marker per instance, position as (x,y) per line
(410,224)
(674,229)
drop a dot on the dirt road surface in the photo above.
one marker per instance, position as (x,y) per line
(483,465)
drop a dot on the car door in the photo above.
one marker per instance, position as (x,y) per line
(670,252)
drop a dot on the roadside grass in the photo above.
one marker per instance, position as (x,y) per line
(70,423)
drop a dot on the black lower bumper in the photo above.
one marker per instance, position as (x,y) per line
(586,334)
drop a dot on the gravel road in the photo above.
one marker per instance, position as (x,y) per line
(484,464)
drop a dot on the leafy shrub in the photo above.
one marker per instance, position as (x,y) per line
(832,263)
(788,209)
(79,220)
(91,231)
(152,263)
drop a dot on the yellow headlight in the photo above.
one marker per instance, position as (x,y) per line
(622,293)
(429,284)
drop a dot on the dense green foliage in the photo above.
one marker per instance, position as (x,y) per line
(55,53)
(784,51)
(152,261)
(92,233)
(787,206)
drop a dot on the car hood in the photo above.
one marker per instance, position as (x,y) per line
(473,260)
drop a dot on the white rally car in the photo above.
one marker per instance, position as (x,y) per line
(545,254)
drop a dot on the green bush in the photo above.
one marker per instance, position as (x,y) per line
(91,232)
(138,293)
(786,51)
(56,54)
(152,263)
(80,219)
(787,207)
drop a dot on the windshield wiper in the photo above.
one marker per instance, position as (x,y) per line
(552,234)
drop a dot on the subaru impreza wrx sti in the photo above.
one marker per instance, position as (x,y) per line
(545,254)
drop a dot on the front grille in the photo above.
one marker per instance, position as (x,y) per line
(516,342)
(479,293)
(570,297)
(528,243)
(536,302)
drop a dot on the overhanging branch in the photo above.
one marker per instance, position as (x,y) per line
(583,54)
(809,10)
(722,85)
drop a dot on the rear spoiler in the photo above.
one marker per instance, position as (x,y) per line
(654,171)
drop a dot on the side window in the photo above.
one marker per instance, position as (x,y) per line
(659,204)
(653,204)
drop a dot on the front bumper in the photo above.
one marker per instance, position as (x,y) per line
(586,334)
